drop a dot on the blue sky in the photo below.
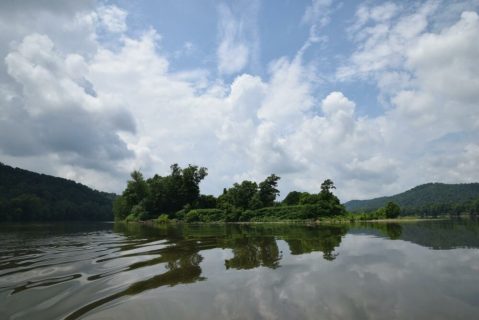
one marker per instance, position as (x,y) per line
(378,96)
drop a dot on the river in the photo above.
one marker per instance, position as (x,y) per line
(421,270)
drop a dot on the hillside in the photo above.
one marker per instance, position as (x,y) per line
(30,196)
(427,199)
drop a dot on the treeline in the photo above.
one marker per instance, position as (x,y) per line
(29,196)
(470,207)
(431,199)
(177,196)
(390,211)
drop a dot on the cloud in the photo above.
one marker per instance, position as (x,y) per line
(232,51)
(238,39)
(417,72)
(113,18)
(318,12)
(382,36)
(94,112)
(55,113)
(317,15)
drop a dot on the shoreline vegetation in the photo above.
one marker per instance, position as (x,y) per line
(27,196)
(38,198)
(177,198)
(324,221)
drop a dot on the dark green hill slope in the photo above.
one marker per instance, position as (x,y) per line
(30,196)
(427,199)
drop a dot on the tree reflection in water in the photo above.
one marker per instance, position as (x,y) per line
(178,261)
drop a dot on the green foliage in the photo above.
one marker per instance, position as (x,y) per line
(326,187)
(248,195)
(292,198)
(299,212)
(132,218)
(307,198)
(159,194)
(192,216)
(162,219)
(206,202)
(392,210)
(374,215)
(120,208)
(268,191)
(140,212)
(180,214)
(239,196)
(136,190)
(430,199)
(206,215)
(246,202)
(29,196)
(178,196)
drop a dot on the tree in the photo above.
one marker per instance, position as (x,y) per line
(239,196)
(392,210)
(29,196)
(268,190)
(206,202)
(307,198)
(180,188)
(292,199)
(120,208)
(326,187)
(190,180)
(136,189)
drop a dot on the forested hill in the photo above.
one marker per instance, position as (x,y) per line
(427,199)
(30,196)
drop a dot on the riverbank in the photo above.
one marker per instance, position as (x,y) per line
(321,221)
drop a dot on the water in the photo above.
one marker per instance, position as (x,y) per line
(426,270)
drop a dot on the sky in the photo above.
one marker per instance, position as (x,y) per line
(377,96)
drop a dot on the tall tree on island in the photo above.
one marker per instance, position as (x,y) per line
(268,190)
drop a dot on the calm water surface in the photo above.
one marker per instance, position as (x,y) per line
(425,270)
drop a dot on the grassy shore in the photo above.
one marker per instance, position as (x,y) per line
(328,220)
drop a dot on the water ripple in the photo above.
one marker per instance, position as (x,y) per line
(83,270)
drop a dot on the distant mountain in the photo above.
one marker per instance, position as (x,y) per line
(30,196)
(430,198)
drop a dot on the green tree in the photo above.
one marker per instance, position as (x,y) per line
(392,210)
(191,177)
(29,196)
(136,189)
(307,198)
(292,199)
(239,196)
(206,202)
(326,187)
(120,208)
(268,190)
(180,188)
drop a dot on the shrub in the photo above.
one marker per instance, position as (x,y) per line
(163,218)
(181,215)
(247,215)
(139,212)
(299,212)
(131,217)
(192,216)
(205,215)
